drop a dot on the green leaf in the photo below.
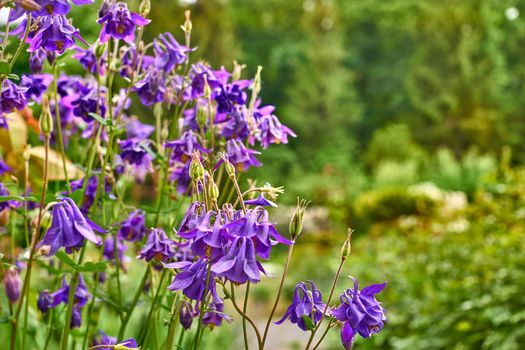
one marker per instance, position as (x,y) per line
(5,69)
(98,118)
(17,198)
(66,259)
(92,267)
(308,323)
(13,76)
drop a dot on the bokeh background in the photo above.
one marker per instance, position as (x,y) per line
(410,116)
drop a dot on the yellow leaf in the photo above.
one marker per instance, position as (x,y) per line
(14,139)
(55,165)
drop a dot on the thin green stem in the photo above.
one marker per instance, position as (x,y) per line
(153,306)
(323,335)
(279,291)
(60,139)
(173,322)
(234,303)
(69,312)
(197,337)
(134,302)
(21,45)
(244,308)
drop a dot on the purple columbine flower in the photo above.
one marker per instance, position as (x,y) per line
(229,96)
(91,191)
(158,246)
(104,339)
(86,102)
(237,125)
(88,60)
(118,22)
(184,147)
(134,227)
(130,61)
(54,33)
(8,204)
(57,7)
(360,312)
(260,201)
(44,301)
(239,265)
(37,59)
(135,128)
(168,52)
(11,97)
(306,302)
(134,154)
(4,168)
(36,85)
(191,278)
(109,251)
(186,315)
(12,284)
(270,130)
(241,156)
(69,228)
(61,295)
(215,314)
(152,88)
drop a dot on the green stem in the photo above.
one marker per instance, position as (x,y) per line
(323,336)
(60,140)
(90,309)
(69,313)
(49,328)
(244,308)
(173,323)
(153,306)
(19,48)
(287,263)
(256,330)
(136,298)
(197,337)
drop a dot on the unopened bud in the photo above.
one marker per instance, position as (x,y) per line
(46,121)
(165,131)
(230,169)
(207,88)
(186,315)
(347,245)
(187,27)
(202,116)
(196,168)
(157,110)
(12,284)
(257,82)
(145,8)
(213,190)
(237,70)
(296,223)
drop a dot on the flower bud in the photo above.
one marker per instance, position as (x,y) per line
(12,284)
(230,169)
(347,246)
(187,27)
(196,168)
(213,190)
(46,120)
(145,8)
(207,88)
(257,82)
(296,223)
(186,315)
(202,116)
(237,70)
(157,110)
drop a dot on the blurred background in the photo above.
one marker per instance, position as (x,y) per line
(410,123)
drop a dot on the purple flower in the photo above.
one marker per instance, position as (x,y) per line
(180,173)
(44,301)
(229,96)
(360,312)
(168,52)
(76,316)
(8,204)
(104,339)
(186,315)
(152,87)
(57,7)
(135,128)
(69,228)
(86,102)
(12,284)
(109,250)
(133,228)
(130,61)
(306,302)
(215,314)
(119,23)
(239,265)
(37,59)
(270,130)
(61,295)
(134,154)
(11,97)
(88,59)
(243,158)
(36,85)
(54,33)
(184,147)
(191,278)
(158,246)
(91,191)
(4,168)
(236,126)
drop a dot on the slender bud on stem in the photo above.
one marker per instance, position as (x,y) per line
(213,190)
(230,169)
(187,26)
(296,223)
(46,121)
(145,8)
(196,168)
(347,246)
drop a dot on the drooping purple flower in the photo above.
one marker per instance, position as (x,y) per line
(36,85)
(37,59)
(21,7)
(11,97)
(152,88)
(12,284)
(131,61)
(88,100)
(44,301)
(239,265)
(241,156)
(69,228)
(307,302)
(270,130)
(237,125)
(214,314)
(91,191)
(186,315)
(158,246)
(76,316)
(61,295)
(360,312)
(57,7)
(168,52)
(229,96)
(54,33)
(133,228)
(119,23)
(184,147)
(104,339)
(180,173)
(191,278)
